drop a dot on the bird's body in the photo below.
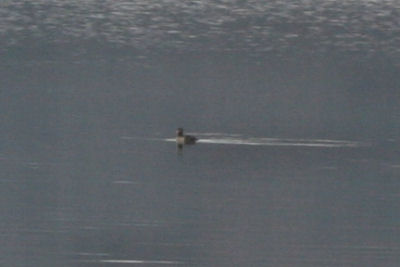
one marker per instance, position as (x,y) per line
(182,139)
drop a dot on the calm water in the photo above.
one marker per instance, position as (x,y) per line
(296,104)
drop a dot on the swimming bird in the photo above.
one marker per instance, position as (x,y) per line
(182,139)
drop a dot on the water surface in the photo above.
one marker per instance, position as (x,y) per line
(295,104)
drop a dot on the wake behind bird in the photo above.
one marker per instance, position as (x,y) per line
(238,139)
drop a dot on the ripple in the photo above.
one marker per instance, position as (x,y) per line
(124,182)
(353,26)
(161,262)
(234,139)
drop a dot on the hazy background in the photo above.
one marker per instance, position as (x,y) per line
(278,67)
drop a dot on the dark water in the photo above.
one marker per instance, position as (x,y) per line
(296,104)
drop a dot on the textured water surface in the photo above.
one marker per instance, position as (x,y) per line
(253,26)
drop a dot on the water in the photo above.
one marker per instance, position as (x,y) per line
(138,201)
(295,104)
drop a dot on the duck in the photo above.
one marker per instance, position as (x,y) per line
(182,139)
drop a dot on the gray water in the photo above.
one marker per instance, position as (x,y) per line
(295,103)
